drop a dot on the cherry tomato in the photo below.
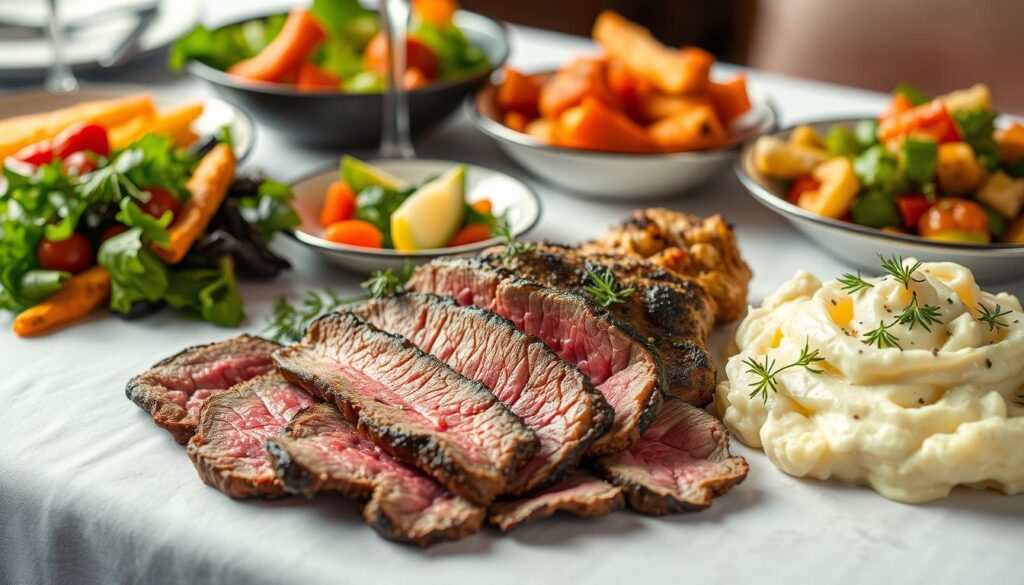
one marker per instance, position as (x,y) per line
(160,200)
(80,163)
(40,153)
(955,219)
(81,138)
(339,205)
(71,255)
(417,56)
(114,230)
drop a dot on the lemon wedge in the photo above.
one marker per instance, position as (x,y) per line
(359,175)
(432,214)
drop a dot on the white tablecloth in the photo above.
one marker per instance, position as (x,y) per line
(92,492)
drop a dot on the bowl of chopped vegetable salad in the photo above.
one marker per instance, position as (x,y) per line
(317,75)
(936,178)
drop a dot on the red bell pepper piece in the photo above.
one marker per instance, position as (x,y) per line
(801,184)
(930,120)
(912,206)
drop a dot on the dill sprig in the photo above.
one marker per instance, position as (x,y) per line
(604,289)
(915,314)
(512,247)
(894,266)
(881,337)
(766,372)
(990,317)
(854,284)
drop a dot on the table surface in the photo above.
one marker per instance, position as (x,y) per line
(91,491)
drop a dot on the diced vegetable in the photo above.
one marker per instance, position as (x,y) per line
(471,234)
(996,222)
(778,159)
(1003,194)
(930,119)
(919,158)
(418,55)
(730,99)
(432,214)
(594,126)
(838,188)
(975,97)
(694,129)
(958,170)
(516,121)
(542,130)
(1015,233)
(519,93)
(354,232)
(658,106)
(955,220)
(435,12)
(631,91)
(483,206)
(875,209)
(1010,141)
(289,49)
(314,78)
(866,132)
(571,85)
(805,135)
(77,298)
(340,204)
(841,141)
(912,206)
(799,186)
(876,168)
(977,127)
(914,96)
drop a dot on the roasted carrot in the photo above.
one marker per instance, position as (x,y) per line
(339,205)
(516,121)
(207,189)
(354,232)
(730,99)
(693,129)
(657,106)
(632,91)
(76,299)
(583,78)
(519,93)
(289,49)
(313,78)
(594,126)
(175,123)
(471,234)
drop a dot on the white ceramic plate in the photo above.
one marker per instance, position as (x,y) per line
(860,245)
(87,44)
(510,197)
(621,176)
(216,113)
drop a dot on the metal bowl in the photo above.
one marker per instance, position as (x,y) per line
(860,245)
(349,120)
(615,175)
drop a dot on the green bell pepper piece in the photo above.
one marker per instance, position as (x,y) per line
(867,133)
(875,209)
(841,141)
(919,158)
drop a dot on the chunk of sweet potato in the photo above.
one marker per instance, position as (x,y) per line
(519,93)
(694,129)
(730,99)
(583,78)
(592,125)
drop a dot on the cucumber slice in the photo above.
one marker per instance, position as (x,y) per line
(431,215)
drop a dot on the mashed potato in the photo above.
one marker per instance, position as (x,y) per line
(912,423)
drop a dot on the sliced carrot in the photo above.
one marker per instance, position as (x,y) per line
(516,121)
(594,126)
(339,205)
(414,78)
(482,206)
(695,129)
(581,79)
(730,99)
(289,49)
(471,234)
(313,78)
(76,299)
(519,93)
(354,232)
(436,12)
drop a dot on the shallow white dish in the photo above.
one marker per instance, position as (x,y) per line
(216,113)
(860,245)
(510,197)
(615,175)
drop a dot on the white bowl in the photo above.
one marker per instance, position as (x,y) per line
(615,175)
(860,245)
(510,197)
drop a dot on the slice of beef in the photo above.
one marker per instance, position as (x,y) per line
(674,313)
(551,397)
(681,462)
(414,406)
(227,448)
(321,451)
(620,363)
(580,494)
(173,390)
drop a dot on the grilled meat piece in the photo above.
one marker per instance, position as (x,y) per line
(580,494)
(551,397)
(412,405)
(620,363)
(227,448)
(689,246)
(675,314)
(173,390)
(681,462)
(321,451)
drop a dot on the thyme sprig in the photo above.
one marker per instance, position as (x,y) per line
(854,284)
(881,337)
(894,266)
(604,289)
(512,246)
(991,317)
(915,314)
(765,372)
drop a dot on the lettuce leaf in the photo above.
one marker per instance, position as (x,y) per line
(210,293)
(136,273)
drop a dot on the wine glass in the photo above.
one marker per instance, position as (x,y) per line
(60,78)
(396,141)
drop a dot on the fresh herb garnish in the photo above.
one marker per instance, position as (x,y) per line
(767,371)
(854,284)
(604,289)
(894,266)
(990,317)
(915,314)
(512,247)
(385,283)
(881,337)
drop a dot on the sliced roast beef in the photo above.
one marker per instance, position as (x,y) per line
(227,448)
(321,451)
(675,314)
(551,397)
(580,494)
(620,363)
(173,390)
(412,405)
(681,462)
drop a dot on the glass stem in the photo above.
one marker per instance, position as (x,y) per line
(60,79)
(396,140)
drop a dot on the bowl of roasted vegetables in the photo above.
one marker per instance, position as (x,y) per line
(373,215)
(932,177)
(639,120)
(317,74)
(118,203)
